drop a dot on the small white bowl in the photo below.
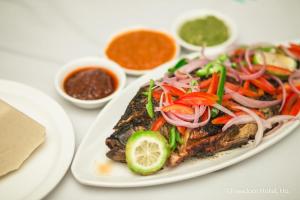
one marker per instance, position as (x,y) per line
(134,72)
(195,14)
(81,64)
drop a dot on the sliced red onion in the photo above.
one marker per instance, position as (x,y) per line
(250,103)
(199,111)
(193,65)
(185,117)
(180,75)
(168,79)
(224,110)
(241,119)
(174,120)
(280,118)
(255,75)
(260,127)
(189,80)
(233,75)
(283,91)
(248,53)
(245,70)
(293,76)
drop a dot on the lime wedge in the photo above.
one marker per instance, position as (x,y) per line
(146,152)
(276,60)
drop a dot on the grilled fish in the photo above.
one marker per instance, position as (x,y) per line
(202,142)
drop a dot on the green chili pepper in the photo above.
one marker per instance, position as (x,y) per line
(222,80)
(178,65)
(172,138)
(216,66)
(220,91)
(178,138)
(149,105)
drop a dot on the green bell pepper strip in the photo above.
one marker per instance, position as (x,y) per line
(178,65)
(149,105)
(172,138)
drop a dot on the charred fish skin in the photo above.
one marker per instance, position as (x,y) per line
(234,137)
(134,119)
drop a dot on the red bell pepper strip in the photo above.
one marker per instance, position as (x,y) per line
(205,83)
(295,49)
(156,94)
(296,107)
(290,100)
(195,101)
(246,85)
(225,118)
(263,84)
(173,90)
(178,108)
(181,129)
(197,98)
(221,120)
(204,95)
(242,90)
(158,123)
(288,88)
(213,87)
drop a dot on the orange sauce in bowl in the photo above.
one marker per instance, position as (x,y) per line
(141,49)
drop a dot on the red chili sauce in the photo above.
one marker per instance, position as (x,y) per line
(90,83)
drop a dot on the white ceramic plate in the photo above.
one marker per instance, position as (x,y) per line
(92,150)
(48,164)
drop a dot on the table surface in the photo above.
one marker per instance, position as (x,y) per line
(38,37)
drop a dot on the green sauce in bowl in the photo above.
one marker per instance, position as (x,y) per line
(204,31)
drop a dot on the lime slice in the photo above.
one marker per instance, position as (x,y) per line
(276,60)
(146,152)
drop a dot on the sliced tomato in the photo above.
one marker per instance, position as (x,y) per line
(290,100)
(158,123)
(178,108)
(181,129)
(263,84)
(213,87)
(173,90)
(296,107)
